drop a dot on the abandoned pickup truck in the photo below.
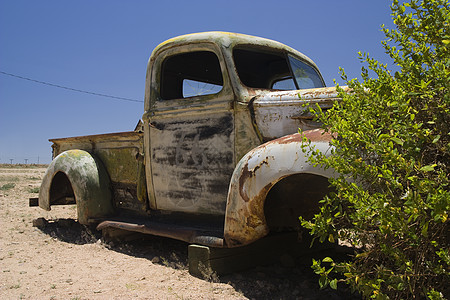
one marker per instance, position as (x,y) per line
(216,159)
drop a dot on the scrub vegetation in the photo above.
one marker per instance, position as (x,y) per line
(7,186)
(392,199)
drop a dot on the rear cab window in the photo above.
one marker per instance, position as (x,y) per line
(190,74)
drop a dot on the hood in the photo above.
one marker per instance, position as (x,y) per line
(277,114)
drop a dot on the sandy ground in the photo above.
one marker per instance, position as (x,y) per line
(64,260)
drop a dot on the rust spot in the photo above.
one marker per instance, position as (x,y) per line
(253,221)
(252,91)
(293,138)
(256,208)
(249,223)
(318,93)
(244,176)
(318,135)
(246,173)
(264,162)
(315,135)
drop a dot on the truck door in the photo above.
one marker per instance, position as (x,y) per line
(191,130)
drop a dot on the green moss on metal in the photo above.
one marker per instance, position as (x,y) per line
(121,164)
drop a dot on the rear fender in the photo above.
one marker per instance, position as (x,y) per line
(256,173)
(89,182)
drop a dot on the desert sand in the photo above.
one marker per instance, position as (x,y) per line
(48,255)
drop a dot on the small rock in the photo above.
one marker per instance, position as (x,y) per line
(40,222)
(155,260)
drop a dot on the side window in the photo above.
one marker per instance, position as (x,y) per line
(190,74)
(262,69)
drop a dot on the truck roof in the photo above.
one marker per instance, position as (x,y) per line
(227,39)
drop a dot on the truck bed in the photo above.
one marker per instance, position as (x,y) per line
(122,155)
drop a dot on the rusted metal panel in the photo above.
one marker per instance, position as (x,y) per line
(246,134)
(98,140)
(183,233)
(281,113)
(254,176)
(192,162)
(89,181)
(190,141)
(119,152)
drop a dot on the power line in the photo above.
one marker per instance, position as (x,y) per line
(71,89)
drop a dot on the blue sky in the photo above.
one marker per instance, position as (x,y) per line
(104,46)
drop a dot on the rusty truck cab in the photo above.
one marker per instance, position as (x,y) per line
(210,99)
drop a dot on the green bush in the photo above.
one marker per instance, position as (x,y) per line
(392,151)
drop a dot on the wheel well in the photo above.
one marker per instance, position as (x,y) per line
(61,191)
(294,196)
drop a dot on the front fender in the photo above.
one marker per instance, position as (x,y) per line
(254,176)
(89,180)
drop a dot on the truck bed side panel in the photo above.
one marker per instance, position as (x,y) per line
(121,153)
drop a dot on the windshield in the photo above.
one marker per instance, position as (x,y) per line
(274,70)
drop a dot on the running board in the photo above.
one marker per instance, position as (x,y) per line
(186,234)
